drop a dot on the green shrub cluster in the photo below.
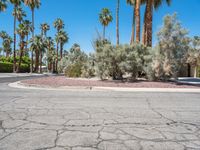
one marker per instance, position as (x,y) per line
(71,65)
(25,59)
(6,67)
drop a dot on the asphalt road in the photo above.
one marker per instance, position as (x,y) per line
(89,120)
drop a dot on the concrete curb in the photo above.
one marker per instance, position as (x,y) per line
(85,88)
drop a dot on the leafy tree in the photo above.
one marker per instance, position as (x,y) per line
(173,45)
(193,55)
(105,17)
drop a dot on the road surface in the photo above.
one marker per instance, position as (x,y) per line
(101,120)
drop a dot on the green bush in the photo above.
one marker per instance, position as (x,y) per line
(6,67)
(73,70)
(25,59)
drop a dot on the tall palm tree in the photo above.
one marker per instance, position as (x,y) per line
(16,3)
(63,38)
(33,4)
(28,26)
(117,20)
(44,28)
(3,5)
(105,17)
(21,31)
(36,44)
(150,6)
(49,42)
(59,25)
(132,3)
(19,13)
(137,19)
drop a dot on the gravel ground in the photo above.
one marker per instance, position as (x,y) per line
(63,81)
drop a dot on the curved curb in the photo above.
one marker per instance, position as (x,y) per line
(84,88)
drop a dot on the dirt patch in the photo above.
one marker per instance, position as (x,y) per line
(60,81)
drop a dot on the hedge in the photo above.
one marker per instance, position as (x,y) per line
(6,67)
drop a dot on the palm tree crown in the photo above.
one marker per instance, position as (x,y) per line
(3,5)
(44,28)
(59,24)
(19,13)
(32,4)
(105,17)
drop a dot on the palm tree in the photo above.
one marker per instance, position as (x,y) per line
(49,42)
(105,17)
(28,26)
(132,3)
(59,25)
(117,20)
(44,28)
(33,4)
(7,41)
(36,44)
(137,19)
(3,5)
(19,13)
(150,6)
(16,4)
(62,38)
(22,34)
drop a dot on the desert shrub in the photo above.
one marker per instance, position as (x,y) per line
(135,59)
(73,63)
(116,61)
(107,59)
(88,69)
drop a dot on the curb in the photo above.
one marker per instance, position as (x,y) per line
(114,89)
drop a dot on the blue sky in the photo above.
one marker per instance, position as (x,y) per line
(81,19)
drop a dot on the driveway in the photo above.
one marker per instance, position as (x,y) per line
(98,120)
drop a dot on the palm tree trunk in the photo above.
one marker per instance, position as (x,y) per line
(33,38)
(40,61)
(144,32)
(149,22)
(20,56)
(133,27)
(61,50)
(104,32)
(137,20)
(14,55)
(37,61)
(117,18)
(195,71)
(57,57)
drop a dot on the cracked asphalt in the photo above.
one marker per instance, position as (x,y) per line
(101,120)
